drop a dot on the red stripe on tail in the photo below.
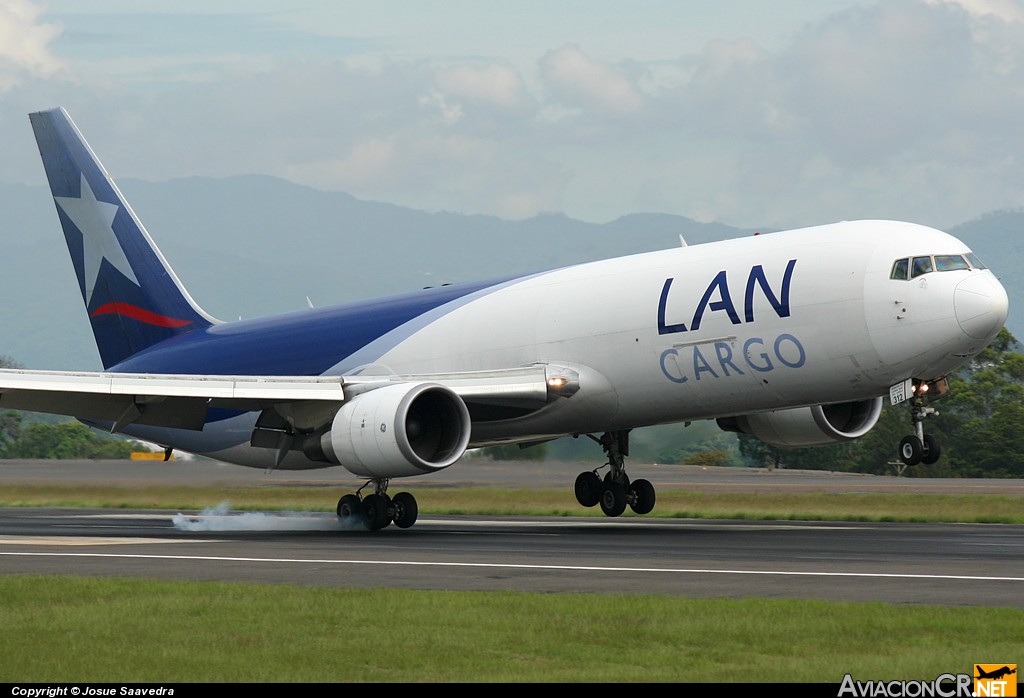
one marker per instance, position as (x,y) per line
(140,314)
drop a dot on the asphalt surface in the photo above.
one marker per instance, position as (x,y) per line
(945,564)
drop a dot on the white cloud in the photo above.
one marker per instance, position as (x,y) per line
(25,43)
(435,101)
(1004,10)
(437,171)
(902,108)
(578,80)
(878,110)
(488,83)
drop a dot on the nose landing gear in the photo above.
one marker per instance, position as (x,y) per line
(920,447)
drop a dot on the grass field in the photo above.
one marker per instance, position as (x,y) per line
(813,506)
(62,629)
(70,629)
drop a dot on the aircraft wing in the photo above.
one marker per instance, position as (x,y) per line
(183,401)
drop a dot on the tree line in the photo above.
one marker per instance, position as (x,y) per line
(25,435)
(60,440)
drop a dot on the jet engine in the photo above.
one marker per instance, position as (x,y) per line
(399,430)
(801,427)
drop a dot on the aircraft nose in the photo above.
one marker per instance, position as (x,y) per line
(981,305)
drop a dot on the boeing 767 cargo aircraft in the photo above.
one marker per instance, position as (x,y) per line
(794,337)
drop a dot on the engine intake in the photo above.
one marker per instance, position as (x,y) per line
(801,427)
(399,430)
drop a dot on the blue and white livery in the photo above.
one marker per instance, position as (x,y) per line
(794,337)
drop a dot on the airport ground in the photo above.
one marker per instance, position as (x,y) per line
(934,563)
(471,472)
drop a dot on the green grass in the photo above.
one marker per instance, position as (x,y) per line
(58,629)
(971,508)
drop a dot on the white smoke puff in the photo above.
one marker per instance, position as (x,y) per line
(220,518)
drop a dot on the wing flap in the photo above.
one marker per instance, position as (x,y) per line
(182,401)
(221,388)
(175,401)
(179,413)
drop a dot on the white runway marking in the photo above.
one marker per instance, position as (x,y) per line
(509,566)
(86,540)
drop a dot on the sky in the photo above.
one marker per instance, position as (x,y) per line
(745,112)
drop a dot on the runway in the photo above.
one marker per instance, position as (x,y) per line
(944,564)
(947,564)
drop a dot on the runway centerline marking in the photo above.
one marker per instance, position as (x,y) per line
(515,566)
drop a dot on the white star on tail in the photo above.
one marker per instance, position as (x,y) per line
(95,220)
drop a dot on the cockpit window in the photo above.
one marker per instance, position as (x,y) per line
(950,262)
(916,266)
(921,265)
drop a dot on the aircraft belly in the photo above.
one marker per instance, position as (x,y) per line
(228,435)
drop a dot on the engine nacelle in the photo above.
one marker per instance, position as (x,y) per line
(801,427)
(399,430)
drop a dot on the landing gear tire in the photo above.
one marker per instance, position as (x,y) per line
(614,492)
(588,488)
(641,496)
(375,512)
(613,498)
(623,480)
(911,450)
(349,508)
(406,509)
(932,450)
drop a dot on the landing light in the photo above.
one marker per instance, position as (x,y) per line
(561,381)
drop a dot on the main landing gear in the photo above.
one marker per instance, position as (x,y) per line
(920,447)
(377,510)
(614,492)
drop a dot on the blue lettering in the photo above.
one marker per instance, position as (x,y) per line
(755,279)
(662,327)
(724,352)
(799,347)
(767,364)
(787,351)
(701,364)
(780,303)
(725,303)
(664,369)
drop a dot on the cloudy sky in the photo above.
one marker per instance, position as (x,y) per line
(741,111)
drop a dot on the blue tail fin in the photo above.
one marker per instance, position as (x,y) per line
(133,298)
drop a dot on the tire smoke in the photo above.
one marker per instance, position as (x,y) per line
(221,518)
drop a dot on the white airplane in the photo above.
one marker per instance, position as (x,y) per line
(793,337)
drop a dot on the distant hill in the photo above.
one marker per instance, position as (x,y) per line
(255,245)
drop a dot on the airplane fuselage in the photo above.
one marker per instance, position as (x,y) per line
(767,322)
